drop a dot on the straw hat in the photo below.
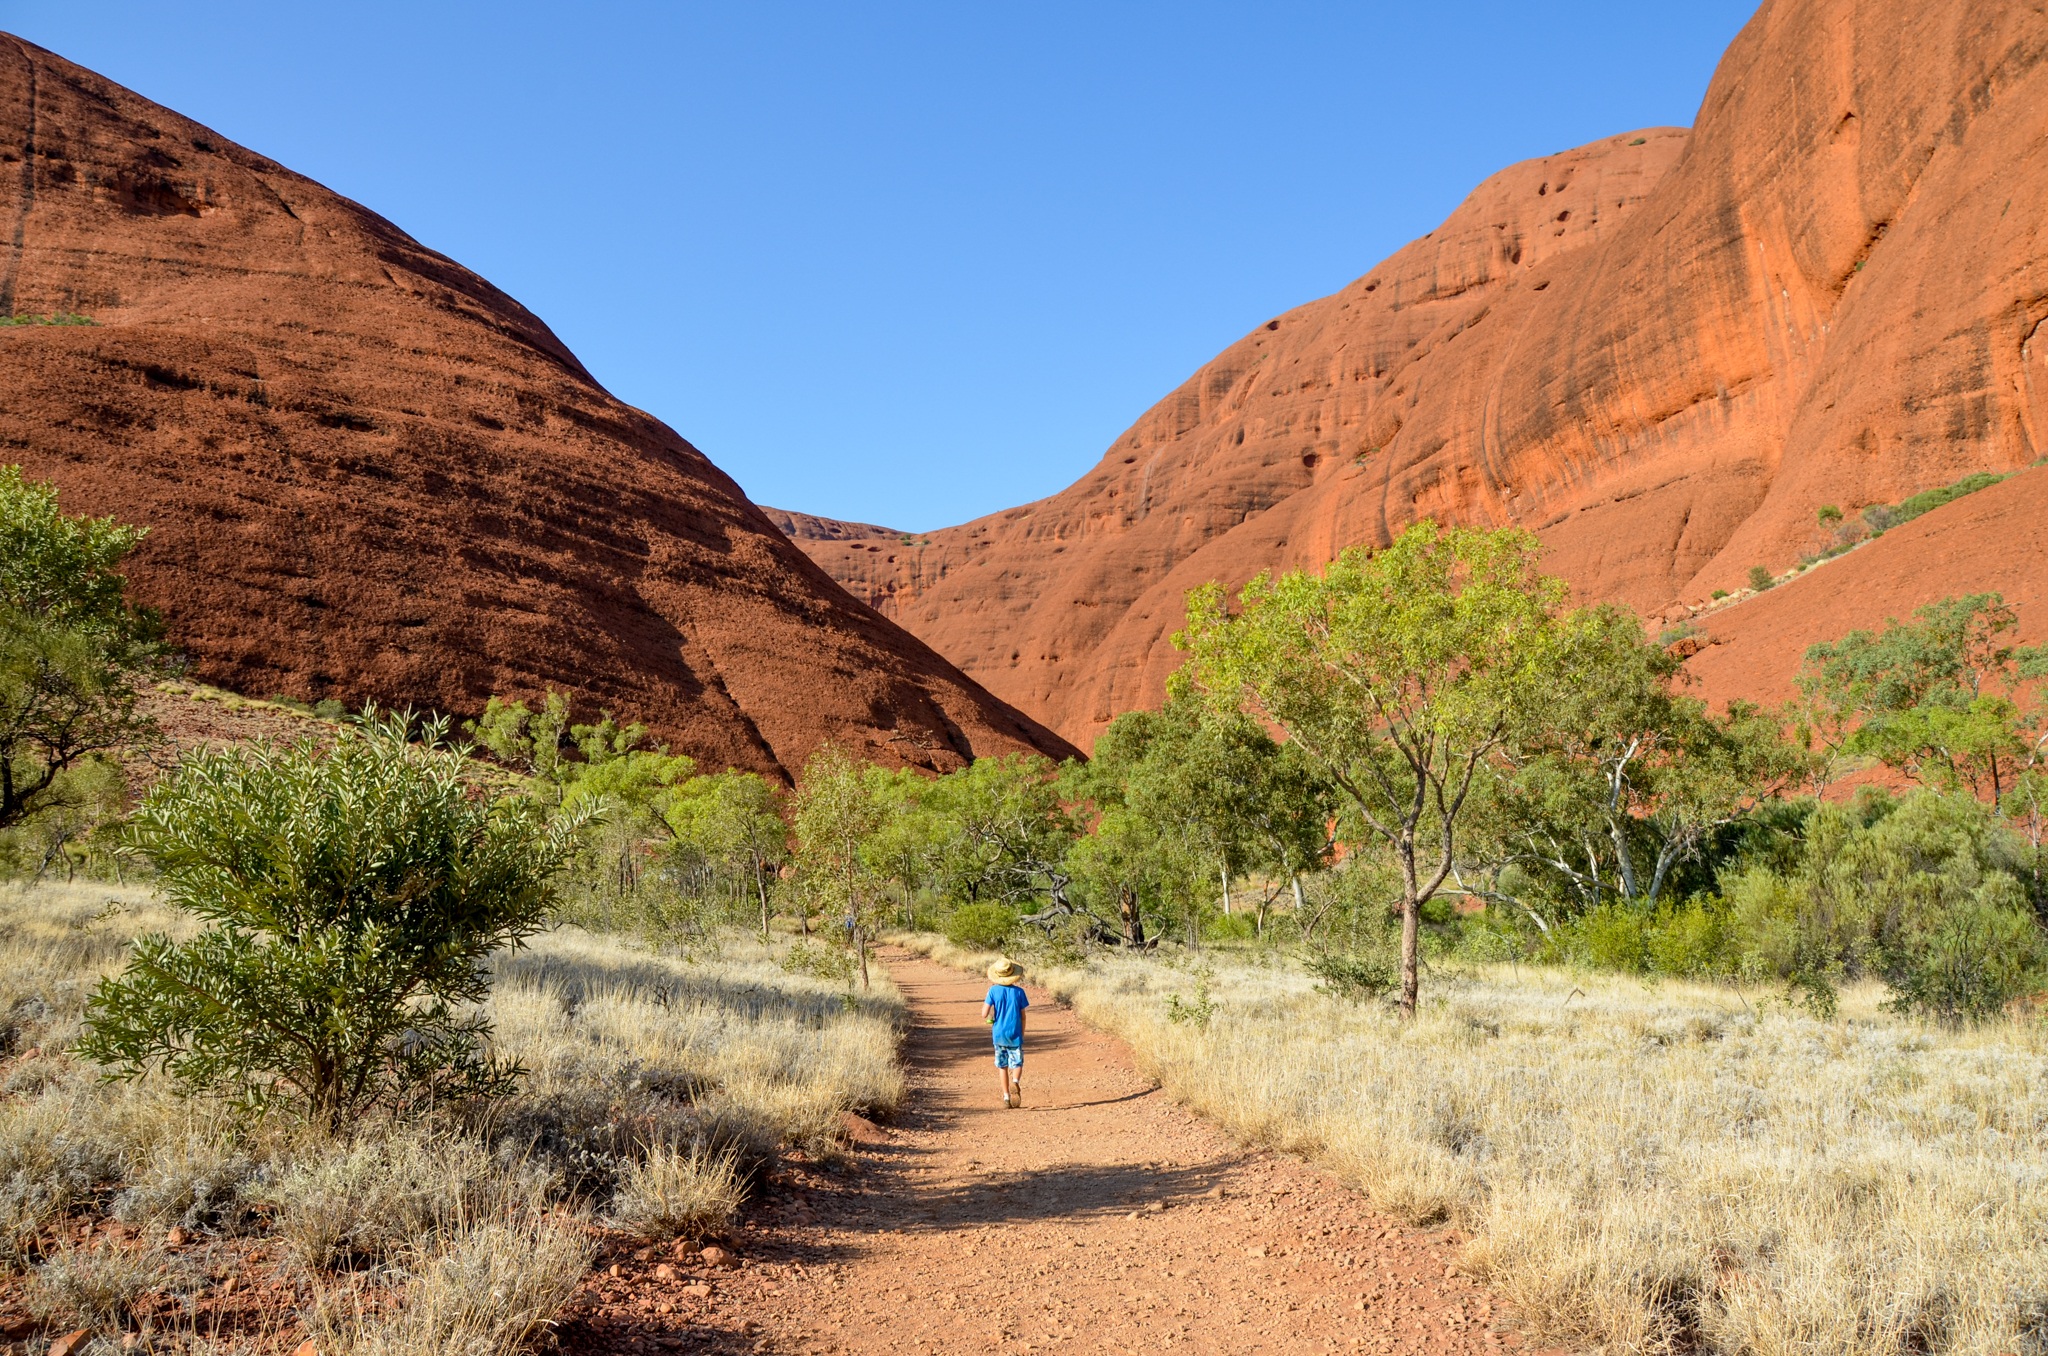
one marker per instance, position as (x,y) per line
(1006,971)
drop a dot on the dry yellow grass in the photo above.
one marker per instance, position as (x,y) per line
(1651,1168)
(653,1082)
(751,1041)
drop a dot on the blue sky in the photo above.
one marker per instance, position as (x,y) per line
(904,263)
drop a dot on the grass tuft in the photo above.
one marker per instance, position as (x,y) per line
(1666,1167)
(674,1193)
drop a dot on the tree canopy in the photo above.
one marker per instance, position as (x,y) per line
(73,655)
(1400,674)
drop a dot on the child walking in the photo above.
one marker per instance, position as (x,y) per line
(1003,1010)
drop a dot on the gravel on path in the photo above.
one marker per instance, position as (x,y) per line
(1098,1217)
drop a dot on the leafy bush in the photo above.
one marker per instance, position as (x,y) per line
(1230,927)
(1964,962)
(1922,891)
(1198,1010)
(352,896)
(1356,977)
(830,963)
(1689,940)
(981,927)
(1760,578)
(1883,517)
(1612,937)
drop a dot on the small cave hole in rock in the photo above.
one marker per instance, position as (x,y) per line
(1272,324)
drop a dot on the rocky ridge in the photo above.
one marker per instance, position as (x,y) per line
(369,474)
(1663,351)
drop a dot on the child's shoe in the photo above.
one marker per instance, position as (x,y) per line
(1020,1092)
(1006,1101)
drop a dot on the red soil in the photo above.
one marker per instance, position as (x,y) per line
(1100,1217)
(367,473)
(1662,351)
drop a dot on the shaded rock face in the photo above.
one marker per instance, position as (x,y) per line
(367,473)
(1663,352)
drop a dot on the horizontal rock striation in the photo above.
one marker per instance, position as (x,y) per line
(367,473)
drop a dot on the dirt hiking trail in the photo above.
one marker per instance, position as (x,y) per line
(1100,1217)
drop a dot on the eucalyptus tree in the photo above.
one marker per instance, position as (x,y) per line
(1402,676)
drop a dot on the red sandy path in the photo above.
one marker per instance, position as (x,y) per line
(1102,1217)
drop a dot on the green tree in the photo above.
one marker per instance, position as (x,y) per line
(1400,675)
(1939,698)
(1218,793)
(835,817)
(1123,864)
(735,818)
(73,655)
(1625,778)
(1006,829)
(535,743)
(351,897)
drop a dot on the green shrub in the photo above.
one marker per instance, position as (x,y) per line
(1829,513)
(1230,927)
(1884,516)
(1198,1010)
(74,656)
(831,963)
(981,927)
(1923,891)
(1719,594)
(1760,578)
(1688,940)
(1966,961)
(352,895)
(1613,937)
(1356,977)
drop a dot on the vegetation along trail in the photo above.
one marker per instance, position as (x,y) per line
(1100,1217)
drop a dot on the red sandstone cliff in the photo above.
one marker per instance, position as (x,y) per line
(1663,351)
(368,473)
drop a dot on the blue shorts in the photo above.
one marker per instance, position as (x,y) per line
(1009,1056)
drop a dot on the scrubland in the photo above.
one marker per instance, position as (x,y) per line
(657,1087)
(1648,1167)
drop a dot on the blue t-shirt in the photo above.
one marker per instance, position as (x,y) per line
(1009,1001)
